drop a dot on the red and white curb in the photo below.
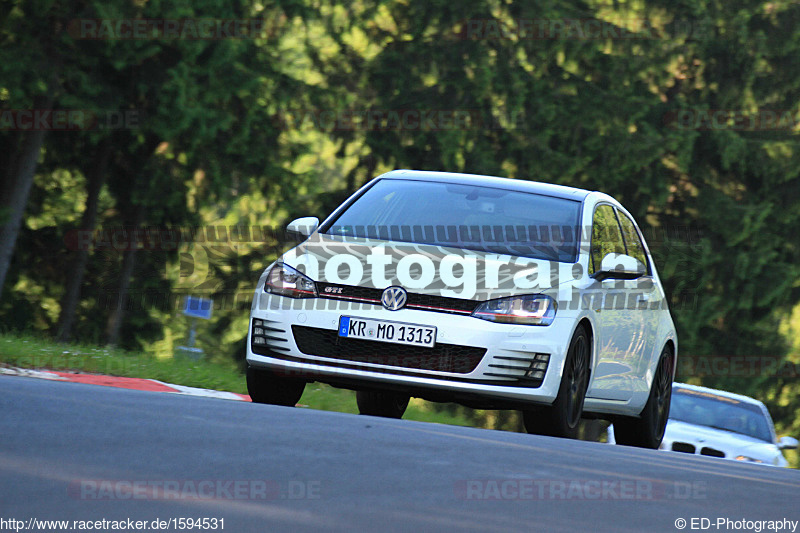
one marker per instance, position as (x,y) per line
(123,383)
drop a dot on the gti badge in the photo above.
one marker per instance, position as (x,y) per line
(394,298)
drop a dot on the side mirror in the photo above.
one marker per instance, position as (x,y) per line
(304,226)
(620,266)
(787,443)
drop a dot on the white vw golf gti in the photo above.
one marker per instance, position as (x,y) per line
(491,292)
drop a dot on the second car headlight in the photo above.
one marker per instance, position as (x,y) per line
(286,281)
(533,310)
(748,459)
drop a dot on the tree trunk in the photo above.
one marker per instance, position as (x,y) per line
(17,190)
(77,269)
(117,315)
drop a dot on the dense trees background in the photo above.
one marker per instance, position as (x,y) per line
(226,137)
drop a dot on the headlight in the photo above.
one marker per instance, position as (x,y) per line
(748,459)
(532,310)
(286,281)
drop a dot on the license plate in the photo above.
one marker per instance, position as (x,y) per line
(386,331)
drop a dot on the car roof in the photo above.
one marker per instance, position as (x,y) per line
(547,189)
(726,394)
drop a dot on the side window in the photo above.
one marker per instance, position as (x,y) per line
(606,236)
(632,240)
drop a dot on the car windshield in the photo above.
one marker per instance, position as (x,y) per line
(464,216)
(712,410)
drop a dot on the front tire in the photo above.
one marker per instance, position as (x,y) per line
(648,430)
(265,386)
(563,417)
(382,403)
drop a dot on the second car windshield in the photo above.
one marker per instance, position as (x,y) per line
(465,216)
(728,414)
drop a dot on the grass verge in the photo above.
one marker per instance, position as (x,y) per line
(37,352)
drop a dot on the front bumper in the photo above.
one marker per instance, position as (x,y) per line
(473,359)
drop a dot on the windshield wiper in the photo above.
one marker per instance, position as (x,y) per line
(727,429)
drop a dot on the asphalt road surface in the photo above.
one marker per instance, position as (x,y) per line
(87,453)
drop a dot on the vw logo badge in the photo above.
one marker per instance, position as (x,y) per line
(394,298)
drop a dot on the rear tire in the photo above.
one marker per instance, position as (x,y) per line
(382,403)
(648,430)
(563,417)
(265,386)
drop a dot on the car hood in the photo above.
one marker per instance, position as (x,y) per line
(731,444)
(429,269)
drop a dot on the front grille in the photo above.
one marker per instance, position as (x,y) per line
(440,303)
(684,447)
(424,302)
(712,452)
(440,358)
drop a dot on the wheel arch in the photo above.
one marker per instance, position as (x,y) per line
(670,342)
(589,329)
